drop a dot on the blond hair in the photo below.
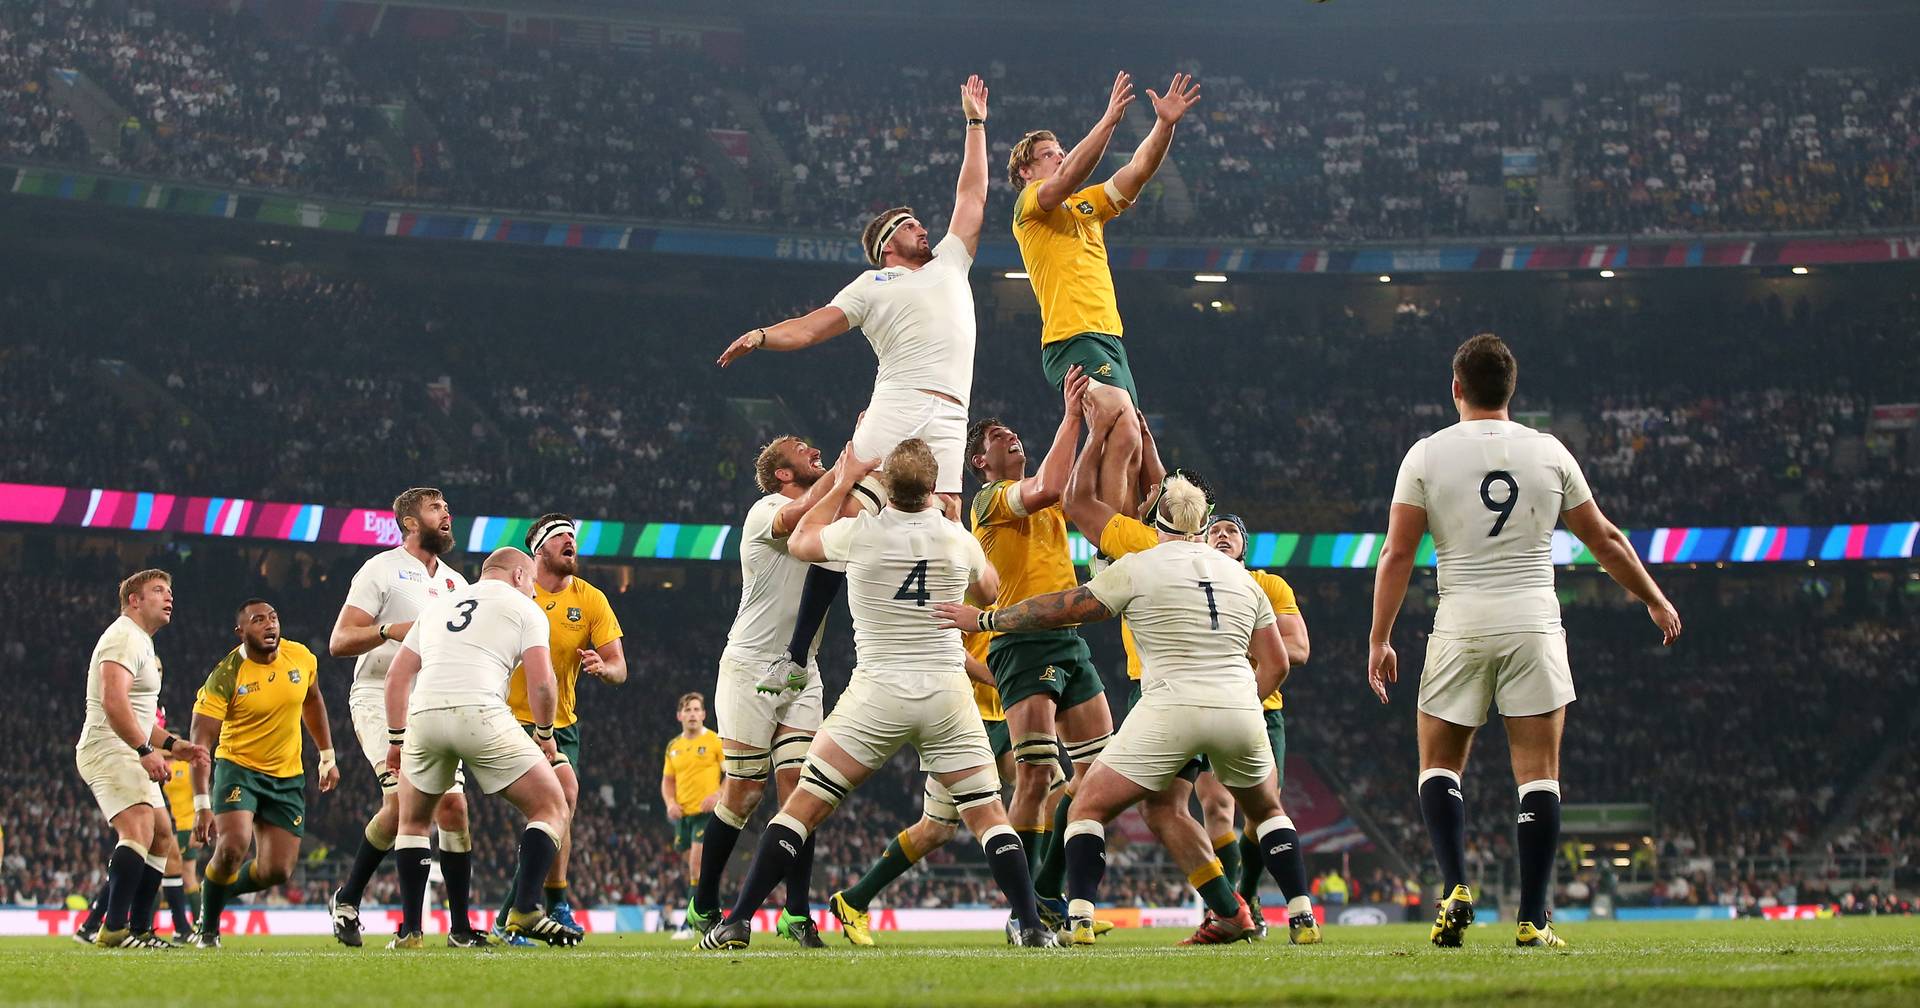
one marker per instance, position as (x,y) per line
(1022,155)
(1183,507)
(773,457)
(137,582)
(689,698)
(912,472)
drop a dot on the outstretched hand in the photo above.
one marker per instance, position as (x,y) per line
(851,468)
(1074,390)
(746,344)
(1181,95)
(973,97)
(1119,98)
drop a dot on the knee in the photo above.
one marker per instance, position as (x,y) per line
(452,813)
(934,833)
(271,875)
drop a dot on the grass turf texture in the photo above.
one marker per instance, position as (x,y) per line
(1854,961)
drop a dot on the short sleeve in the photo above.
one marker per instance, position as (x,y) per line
(1410,487)
(1263,610)
(976,557)
(953,249)
(604,626)
(1280,594)
(412,641)
(1026,205)
(1114,586)
(535,631)
(837,540)
(993,505)
(1105,206)
(216,693)
(368,590)
(1126,534)
(1573,483)
(117,646)
(666,764)
(854,300)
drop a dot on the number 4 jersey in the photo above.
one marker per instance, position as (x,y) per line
(899,565)
(469,642)
(1493,491)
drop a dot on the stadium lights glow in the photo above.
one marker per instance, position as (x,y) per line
(1800,271)
(1606,274)
(1385,278)
(1016,275)
(1213,304)
(1209,278)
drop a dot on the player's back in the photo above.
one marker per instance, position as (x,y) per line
(469,643)
(1193,612)
(1493,490)
(770,583)
(898,565)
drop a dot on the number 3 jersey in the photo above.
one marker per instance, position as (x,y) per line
(469,642)
(1193,611)
(898,565)
(1493,491)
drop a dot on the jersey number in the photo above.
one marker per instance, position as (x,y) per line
(466,615)
(1504,508)
(1213,612)
(914,588)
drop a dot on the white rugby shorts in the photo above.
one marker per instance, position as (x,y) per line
(1157,739)
(938,717)
(893,417)
(114,775)
(486,739)
(1524,673)
(750,717)
(369,710)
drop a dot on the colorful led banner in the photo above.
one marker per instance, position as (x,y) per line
(1460,255)
(232,517)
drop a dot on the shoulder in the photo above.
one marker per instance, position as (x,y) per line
(221,680)
(986,498)
(299,653)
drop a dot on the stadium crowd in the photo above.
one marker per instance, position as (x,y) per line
(221,98)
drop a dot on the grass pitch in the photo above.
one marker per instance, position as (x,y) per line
(1866,961)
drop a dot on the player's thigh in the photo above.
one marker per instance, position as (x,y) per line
(893,417)
(867,726)
(1105,793)
(536,792)
(1531,674)
(277,848)
(1457,679)
(1152,745)
(233,833)
(742,712)
(1026,667)
(1277,740)
(162,828)
(1216,803)
(368,709)
(1534,744)
(120,785)
(952,738)
(946,436)
(1083,712)
(1235,742)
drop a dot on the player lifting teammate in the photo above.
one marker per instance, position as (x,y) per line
(463,650)
(1491,490)
(584,636)
(387,593)
(767,713)
(249,714)
(909,687)
(1197,616)
(1061,228)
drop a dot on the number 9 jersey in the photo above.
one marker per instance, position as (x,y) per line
(469,643)
(1493,491)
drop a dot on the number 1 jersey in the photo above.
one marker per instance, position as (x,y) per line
(1493,491)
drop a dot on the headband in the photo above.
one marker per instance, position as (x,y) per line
(885,235)
(551,529)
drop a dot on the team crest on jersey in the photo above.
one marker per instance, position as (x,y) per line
(233,796)
(700,751)
(449,584)
(293,676)
(573,614)
(1052,674)
(297,820)
(1084,207)
(1104,370)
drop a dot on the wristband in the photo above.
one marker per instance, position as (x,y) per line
(144,750)
(543,732)
(971,121)
(202,803)
(986,620)
(168,744)
(763,339)
(327,762)
(383,632)
(397,736)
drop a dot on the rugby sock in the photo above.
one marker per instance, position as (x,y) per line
(899,857)
(173,890)
(1034,843)
(1212,885)
(715,851)
(1445,811)
(800,881)
(213,902)
(366,861)
(124,868)
(1285,861)
(147,897)
(1250,865)
(1053,864)
(1227,849)
(1536,835)
(414,859)
(193,902)
(244,883)
(1009,864)
(539,845)
(1086,845)
(97,909)
(780,844)
(456,871)
(816,597)
(556,894)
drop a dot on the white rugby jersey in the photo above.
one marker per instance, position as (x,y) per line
(395,587)
(920,322)
(469,643)
(1193,612)
(1492,490)
(770,582)
(123,642)
(898,566)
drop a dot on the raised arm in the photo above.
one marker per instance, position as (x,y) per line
(355,633)
(1080,499)
(790,513)
(1405,525)
(970,195)
(1080,162)
(1044,488)
(813,328)
(1181,94)
(1615,554)
(805,543)
(1152,469)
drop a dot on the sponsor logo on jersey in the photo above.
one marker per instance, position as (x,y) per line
(271,675)
(407,575)
(573,614)
(550,606)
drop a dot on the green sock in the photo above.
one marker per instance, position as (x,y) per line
(1218,893)
(556,895)
(244,883)
(1227,849)
(1034,843)
(893,864)
(1252,868)
(213,900)
(1053,864)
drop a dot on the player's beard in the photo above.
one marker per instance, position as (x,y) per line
(563,565)
(434,541)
